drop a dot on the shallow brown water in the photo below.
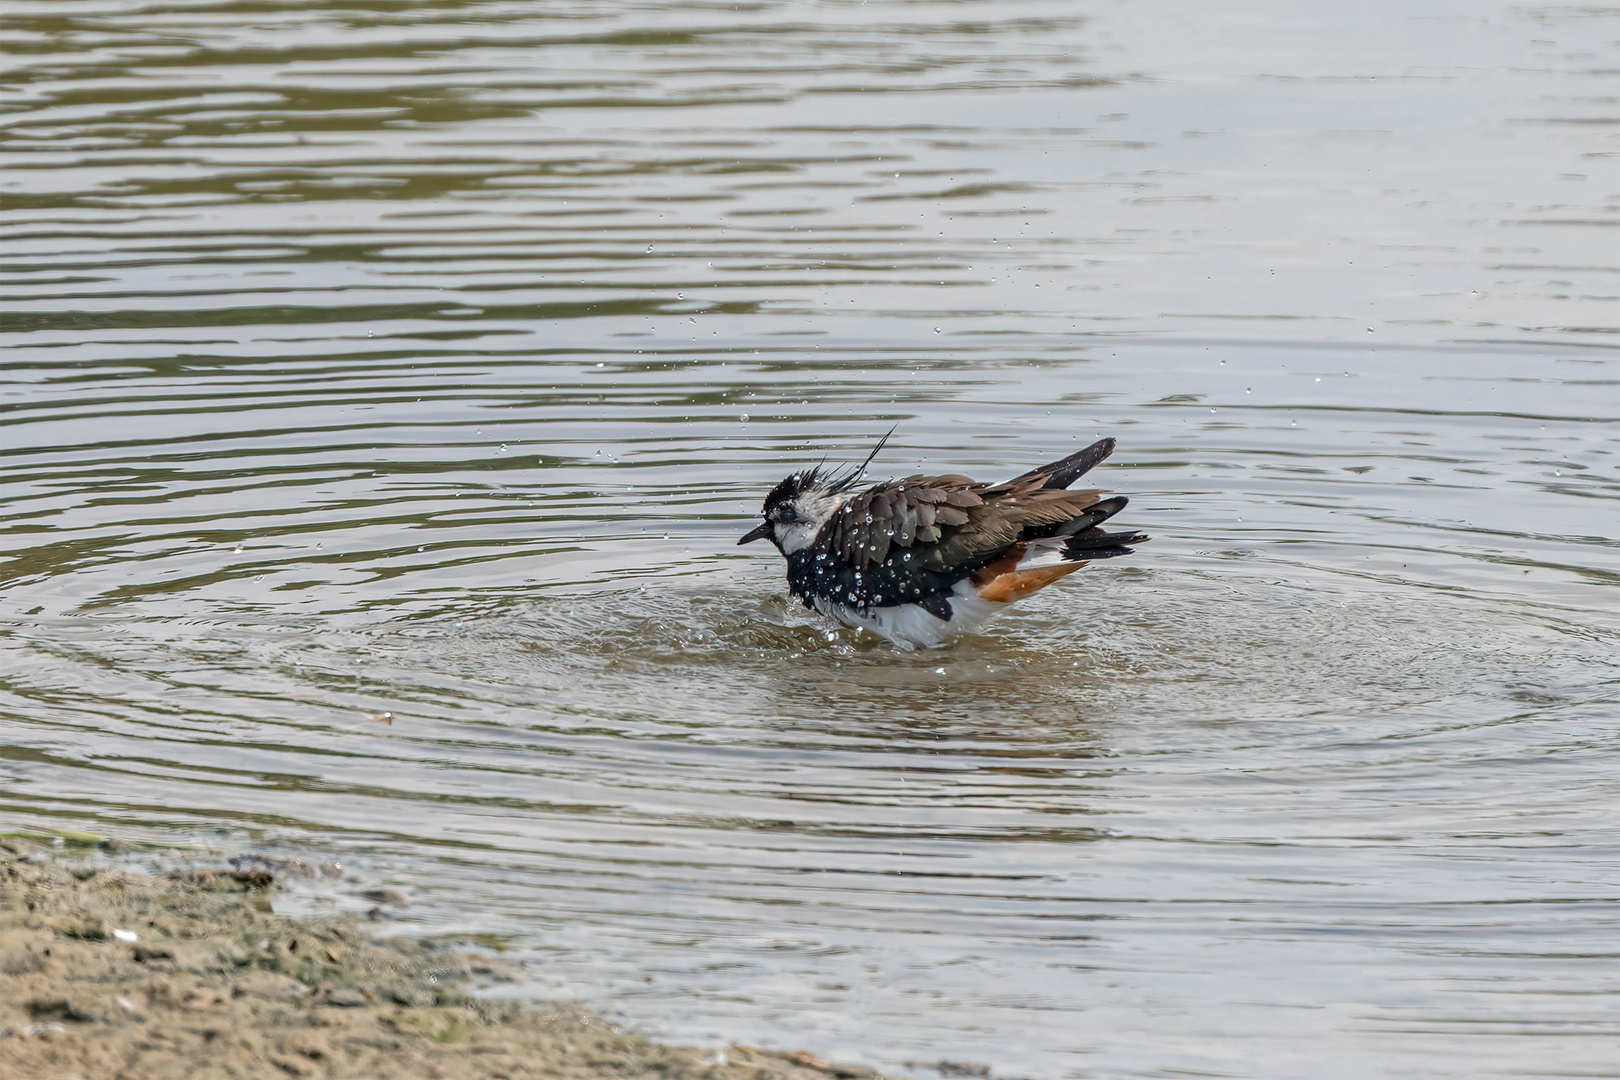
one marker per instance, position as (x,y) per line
(430,358)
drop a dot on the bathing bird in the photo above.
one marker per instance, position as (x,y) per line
(921,559)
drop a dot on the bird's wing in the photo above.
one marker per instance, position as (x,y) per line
(917,512)
(1065,471)
(950,523)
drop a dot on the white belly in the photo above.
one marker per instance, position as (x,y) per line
(910,627)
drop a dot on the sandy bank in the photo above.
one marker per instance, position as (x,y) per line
(109,974)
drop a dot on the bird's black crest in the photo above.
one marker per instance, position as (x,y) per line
(791,488)
(853,477)
(800,482)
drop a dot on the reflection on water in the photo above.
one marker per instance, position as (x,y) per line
(424,358)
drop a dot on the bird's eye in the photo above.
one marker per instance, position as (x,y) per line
(784,515)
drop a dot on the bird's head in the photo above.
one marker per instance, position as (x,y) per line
(799,506)
(795,511)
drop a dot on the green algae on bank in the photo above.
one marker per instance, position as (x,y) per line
(110,973)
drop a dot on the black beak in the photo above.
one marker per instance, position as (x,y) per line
(758,532)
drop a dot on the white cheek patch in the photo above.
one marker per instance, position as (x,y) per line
(812,511)
(796,537)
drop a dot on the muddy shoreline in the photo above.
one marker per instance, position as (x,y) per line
(109,973)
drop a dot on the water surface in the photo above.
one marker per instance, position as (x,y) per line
(429,358)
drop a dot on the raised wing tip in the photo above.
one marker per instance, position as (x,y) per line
(1062,473)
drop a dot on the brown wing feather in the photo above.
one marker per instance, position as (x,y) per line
(954,520)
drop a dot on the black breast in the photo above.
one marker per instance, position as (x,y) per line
(901,578)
